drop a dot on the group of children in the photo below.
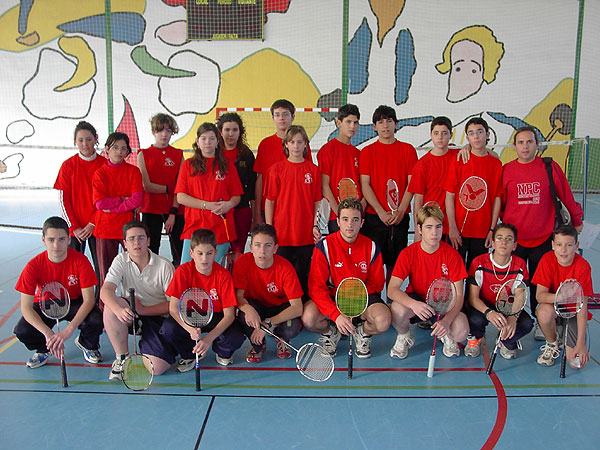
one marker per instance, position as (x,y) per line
(208,204)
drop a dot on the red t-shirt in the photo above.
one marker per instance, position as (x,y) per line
(270,287)
(423,268)
(428,178)
(490,277)
(162,165)
(219,284)
(295,188)
(550,274)
(75,273)
(338,160)
(334,260)
(209,186)
(270,151)
(528,202)
(112,181)
(74,180)
(490,170)
(387,161)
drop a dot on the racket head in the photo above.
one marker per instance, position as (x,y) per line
(314,362)
(512,297)
(441,295)
(55,300)
(351,297)
(432,203)
(195,307)
(473,193)
(137,372)
(347,189)
(392,194)
(568,299)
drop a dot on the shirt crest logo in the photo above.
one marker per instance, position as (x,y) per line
(308,178)
(72,280)
(444,270)
(219,176)
(169,162)
(214,295)
(272,288)
(363,266)
(339,264)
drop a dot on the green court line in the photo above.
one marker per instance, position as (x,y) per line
(319,387)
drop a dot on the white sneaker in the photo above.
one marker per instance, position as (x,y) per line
(330,340)
(185,365)
(451,348)
(507,353)
(537,333)
(549,353)
(116,371)
(403,343)
(363,343)
(223,361)
(473,347)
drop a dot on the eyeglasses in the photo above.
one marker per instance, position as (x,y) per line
(283,115)
(474,132)
(136,238)
(506,239)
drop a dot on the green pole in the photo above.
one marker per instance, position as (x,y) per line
(109,78)
(345,52)
(577,66)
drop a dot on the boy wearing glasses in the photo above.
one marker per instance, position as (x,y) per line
(487,273)
(270,151)
(149,274)
(473,236)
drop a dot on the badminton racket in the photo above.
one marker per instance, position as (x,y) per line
(393,201)
(196,311)
(55,303)
(138,370)
(511,298)
(347,189)
(472,196)
(312,360)
(568,301)
(441,296)
(351,298)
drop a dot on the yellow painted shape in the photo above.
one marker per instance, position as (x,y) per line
(86,64)
(8,345)
(386,11)
(46,15)
(539,117)
(257,81)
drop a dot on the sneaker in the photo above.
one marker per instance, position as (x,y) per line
(283,351)
(549,353)
(91,356)
(116,371)
(403,343)
(363,343)
(330,340)
(451,348)
(224,361)
(537,333)
(255,357)
(473,347)
(507,353)
(185,365)
(38,359)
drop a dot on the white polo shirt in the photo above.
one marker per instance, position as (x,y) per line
(150,284)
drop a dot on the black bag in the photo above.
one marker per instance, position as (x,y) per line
(561,213)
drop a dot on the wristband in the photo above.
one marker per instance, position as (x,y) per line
(492,230)
(173,210)
(316,226)
(487,311)
(166,189)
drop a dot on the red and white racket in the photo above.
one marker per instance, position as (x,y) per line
(441,296)
(472,196)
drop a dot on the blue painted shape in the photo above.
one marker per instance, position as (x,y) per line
(126,27)
(24,10)
(517,123)
(406,65)
(366,131)
(359,51)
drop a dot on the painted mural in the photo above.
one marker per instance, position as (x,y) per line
(423,58)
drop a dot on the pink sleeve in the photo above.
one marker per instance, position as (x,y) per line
(565,194)
(115,205)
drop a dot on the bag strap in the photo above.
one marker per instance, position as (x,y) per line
(548,164)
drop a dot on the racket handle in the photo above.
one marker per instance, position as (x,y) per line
(491,363)
(563,363)
(431,366)
(197,370)
(350,359)
(63,372)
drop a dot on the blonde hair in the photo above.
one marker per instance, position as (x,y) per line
(493,50)
(289,135)
(429,211)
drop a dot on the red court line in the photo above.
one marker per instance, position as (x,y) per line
(10,313)
(498,428)
(6,340)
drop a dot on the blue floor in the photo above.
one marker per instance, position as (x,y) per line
(388,404)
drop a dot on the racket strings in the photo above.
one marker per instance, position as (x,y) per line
(54,300)
(135,374)
(347,189)
(314,362)
(569,299)
(351,298)
(473,193)
(196,310)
